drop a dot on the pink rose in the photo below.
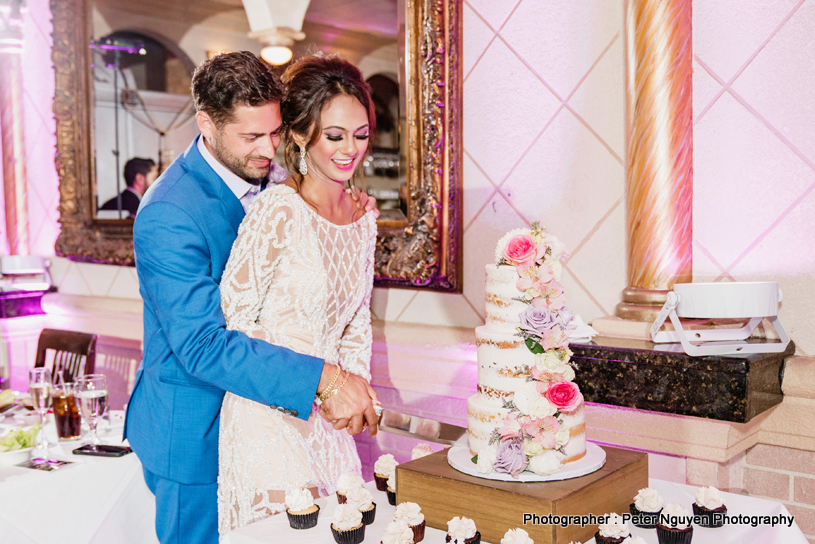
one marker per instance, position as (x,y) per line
(521,251)
(565,395)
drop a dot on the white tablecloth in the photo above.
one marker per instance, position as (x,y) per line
(94,500)
(276,528)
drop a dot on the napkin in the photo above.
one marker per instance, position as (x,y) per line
(582,333)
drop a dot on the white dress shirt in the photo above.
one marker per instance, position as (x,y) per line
(244,191)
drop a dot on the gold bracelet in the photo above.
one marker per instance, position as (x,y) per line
(337,390)
(327,391)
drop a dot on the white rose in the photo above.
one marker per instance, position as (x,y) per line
(397,532)
(532,448)
(615,527)
(486,458)
(709,497)
(545,464)
(568,373)
(557,270)
(346,517)
(542,408)
(517,536)
(648,500)
(460,529)
(525,396)
(562,437)
(299,499)
(547,362)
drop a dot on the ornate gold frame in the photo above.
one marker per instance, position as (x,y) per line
(425,253)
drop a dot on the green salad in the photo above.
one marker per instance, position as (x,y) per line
(19,439)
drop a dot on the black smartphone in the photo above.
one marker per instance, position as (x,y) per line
(102,450)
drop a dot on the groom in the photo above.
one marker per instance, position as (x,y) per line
(183,234)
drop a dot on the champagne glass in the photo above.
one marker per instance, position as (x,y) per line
(39,386)
(91,391)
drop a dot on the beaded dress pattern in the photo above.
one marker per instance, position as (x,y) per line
(296,280)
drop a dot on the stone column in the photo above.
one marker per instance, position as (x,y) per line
(11,126)
(659,153)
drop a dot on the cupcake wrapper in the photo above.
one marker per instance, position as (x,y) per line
(643,520)
(474,540)
(381,482)
(369,515)
(341,498)
(392,498)
(707,516)
(668,536)
(354,536)
(418,532)
(607,540)
(303,521)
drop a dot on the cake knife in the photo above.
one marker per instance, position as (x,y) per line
(422,428)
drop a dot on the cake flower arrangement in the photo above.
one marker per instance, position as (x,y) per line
(532,433)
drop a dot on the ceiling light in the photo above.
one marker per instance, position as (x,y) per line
(276,54)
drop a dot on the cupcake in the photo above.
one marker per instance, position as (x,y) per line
(613,531)
(346,483)
(646,508)
(390,487)
(674,525)
(411,513)
(634,540)
(383,468)
(420,450)
(397,532)
(347,526)
(300,509)
(709,506)
(461,530)
(517,536)
(361,499)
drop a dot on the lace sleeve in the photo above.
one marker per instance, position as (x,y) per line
(257,253)
(355,344)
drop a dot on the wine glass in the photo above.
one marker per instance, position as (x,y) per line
(39,386)
(92,395)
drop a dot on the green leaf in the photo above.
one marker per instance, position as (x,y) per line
(475,459)
(534,346)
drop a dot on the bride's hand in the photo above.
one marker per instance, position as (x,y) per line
(352,407)
(364,201)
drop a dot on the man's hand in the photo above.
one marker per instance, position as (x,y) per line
(364,201)
(352,407)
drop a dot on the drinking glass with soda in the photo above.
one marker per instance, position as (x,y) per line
(66,411)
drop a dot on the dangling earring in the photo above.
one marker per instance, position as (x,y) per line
(303,165)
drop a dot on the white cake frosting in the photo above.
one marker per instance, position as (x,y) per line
(504,364)
(346,517)
(517,536)
(614,527)
(648,500)
(299,499)
(709,497)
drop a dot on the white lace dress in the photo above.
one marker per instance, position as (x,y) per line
(293,279)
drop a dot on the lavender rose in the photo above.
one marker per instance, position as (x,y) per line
(510,458)
(537,320)
(564,319)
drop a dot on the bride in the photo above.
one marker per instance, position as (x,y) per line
(300,275)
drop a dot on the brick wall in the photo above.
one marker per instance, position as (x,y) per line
(787,475)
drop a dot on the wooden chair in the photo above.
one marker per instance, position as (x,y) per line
(75,352)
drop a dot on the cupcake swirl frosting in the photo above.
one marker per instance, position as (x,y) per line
(397,532)
(634,540)
(674,515)
(517,536)
(420,450)
(392,480)
(460,529)
(709,497)
(346,517)
(410,512)
(360,498)
(349,481)
(615,527)
(648,500)
(299,499)
(385,465)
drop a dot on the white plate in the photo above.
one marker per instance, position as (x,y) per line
(460,459)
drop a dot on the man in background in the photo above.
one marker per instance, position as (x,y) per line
(139,175)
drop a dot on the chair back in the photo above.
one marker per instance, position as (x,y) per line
(75,352)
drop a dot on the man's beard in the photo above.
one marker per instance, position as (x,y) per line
(240,166)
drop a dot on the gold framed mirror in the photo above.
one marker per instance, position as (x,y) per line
(421,251)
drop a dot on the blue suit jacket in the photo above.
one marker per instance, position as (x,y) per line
(183,234)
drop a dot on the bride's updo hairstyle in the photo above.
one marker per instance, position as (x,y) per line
(311,83)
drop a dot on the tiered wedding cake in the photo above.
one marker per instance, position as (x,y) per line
(528,413)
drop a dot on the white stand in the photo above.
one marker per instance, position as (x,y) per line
(737,300)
